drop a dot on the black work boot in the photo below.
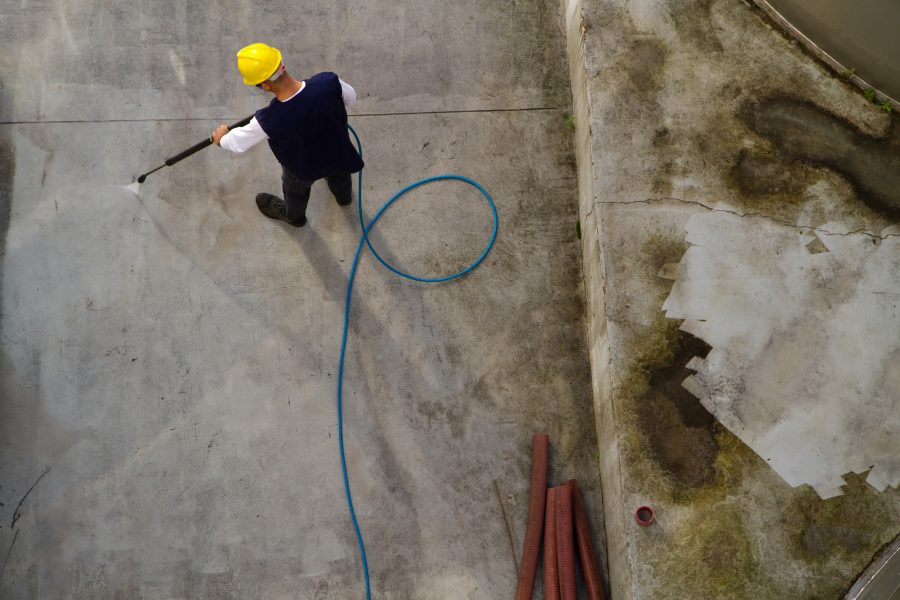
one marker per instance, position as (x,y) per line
(273,207)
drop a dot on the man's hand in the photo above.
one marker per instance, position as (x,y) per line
(218,133)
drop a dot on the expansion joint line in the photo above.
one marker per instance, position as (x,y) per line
(219,119)
(759,215)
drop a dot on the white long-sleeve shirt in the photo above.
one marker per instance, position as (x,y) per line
(241,139)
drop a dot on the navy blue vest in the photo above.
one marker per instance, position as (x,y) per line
(308,133)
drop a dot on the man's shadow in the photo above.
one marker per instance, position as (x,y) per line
(368,399)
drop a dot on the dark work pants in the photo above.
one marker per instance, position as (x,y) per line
(296,192)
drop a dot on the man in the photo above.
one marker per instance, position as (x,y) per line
(306,126)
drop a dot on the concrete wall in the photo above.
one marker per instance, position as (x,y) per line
(595,297)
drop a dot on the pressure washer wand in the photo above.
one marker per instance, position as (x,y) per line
(192,150)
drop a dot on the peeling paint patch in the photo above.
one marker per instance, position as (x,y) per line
(805,364)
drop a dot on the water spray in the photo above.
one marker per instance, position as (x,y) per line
(133,187)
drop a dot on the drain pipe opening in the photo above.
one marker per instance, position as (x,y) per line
(644,516)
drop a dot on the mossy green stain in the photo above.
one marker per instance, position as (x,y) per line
(842,526)
(716,560)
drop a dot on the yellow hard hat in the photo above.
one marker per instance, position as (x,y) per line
(258,62)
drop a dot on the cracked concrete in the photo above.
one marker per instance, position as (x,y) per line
(823,231)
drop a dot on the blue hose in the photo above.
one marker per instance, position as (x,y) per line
(364,239)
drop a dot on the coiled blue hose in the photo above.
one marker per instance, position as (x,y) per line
(364,239)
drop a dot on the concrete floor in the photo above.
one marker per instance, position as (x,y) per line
(167,363)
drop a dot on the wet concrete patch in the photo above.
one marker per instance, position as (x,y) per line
(648,56)
(843,526)
(680,432)
(677,432)
(763,173)
(804,134)
(695,26)
(687,460)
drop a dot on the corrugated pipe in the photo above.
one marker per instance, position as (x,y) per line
(551,568)
(589,567)
(565,544)
(535,526)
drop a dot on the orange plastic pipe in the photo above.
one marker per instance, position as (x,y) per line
(551,568)
(565,544)
(589,567)
(535,526)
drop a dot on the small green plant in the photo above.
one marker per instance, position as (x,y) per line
(848,73)
(869,94)
(570,121)
(886,106)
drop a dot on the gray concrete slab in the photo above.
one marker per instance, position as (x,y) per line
(168,361)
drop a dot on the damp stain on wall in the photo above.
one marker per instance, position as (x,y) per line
(803,137)
(680,432)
